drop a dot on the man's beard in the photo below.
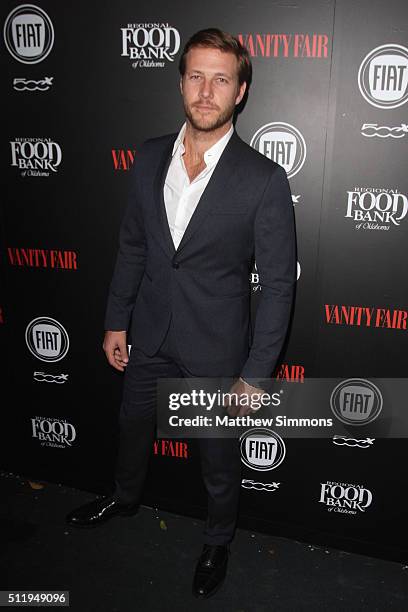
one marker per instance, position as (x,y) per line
(207,124)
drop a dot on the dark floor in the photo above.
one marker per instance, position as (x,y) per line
(145,562)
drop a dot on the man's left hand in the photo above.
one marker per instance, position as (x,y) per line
(241,406)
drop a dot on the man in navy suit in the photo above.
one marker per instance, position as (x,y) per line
(204,206)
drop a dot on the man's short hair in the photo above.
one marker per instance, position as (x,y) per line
(217,39)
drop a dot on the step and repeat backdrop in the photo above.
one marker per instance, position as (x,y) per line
(84,85)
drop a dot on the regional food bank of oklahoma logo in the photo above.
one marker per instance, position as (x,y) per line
(150,45)
(28,34)
(262,449)
(283,143)
(383,76)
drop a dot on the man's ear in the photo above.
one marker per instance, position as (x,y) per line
(181,85)
(240,95)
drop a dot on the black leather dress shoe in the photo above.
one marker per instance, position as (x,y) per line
(210,571)
(99,511)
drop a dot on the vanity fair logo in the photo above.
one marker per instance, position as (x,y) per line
(35,156)
(55,259)
(28,34)
(365,316)
(171,448)
(55,432)
(297,45)
(290,373)
(375,208)
(383,76)
(356,401)
(47,339)
(262,449)
(345,498)
(123,159)
(283,143)
(150,45)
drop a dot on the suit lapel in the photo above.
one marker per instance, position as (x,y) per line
(159,197)
(218,188)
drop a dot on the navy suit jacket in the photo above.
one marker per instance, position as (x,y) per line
(244,214)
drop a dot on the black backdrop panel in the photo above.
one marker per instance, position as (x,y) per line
(330,84)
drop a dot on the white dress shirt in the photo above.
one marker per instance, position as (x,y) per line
(180,196)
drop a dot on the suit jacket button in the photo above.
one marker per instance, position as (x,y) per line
(175,264)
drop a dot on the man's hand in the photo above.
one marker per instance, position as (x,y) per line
(115,348)
(242,389)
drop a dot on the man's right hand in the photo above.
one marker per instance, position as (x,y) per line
(115,348)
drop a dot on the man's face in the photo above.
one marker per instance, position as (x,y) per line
(210,87)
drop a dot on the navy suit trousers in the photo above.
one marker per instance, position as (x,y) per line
(221,465)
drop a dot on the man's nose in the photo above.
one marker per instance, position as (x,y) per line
(206,90)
